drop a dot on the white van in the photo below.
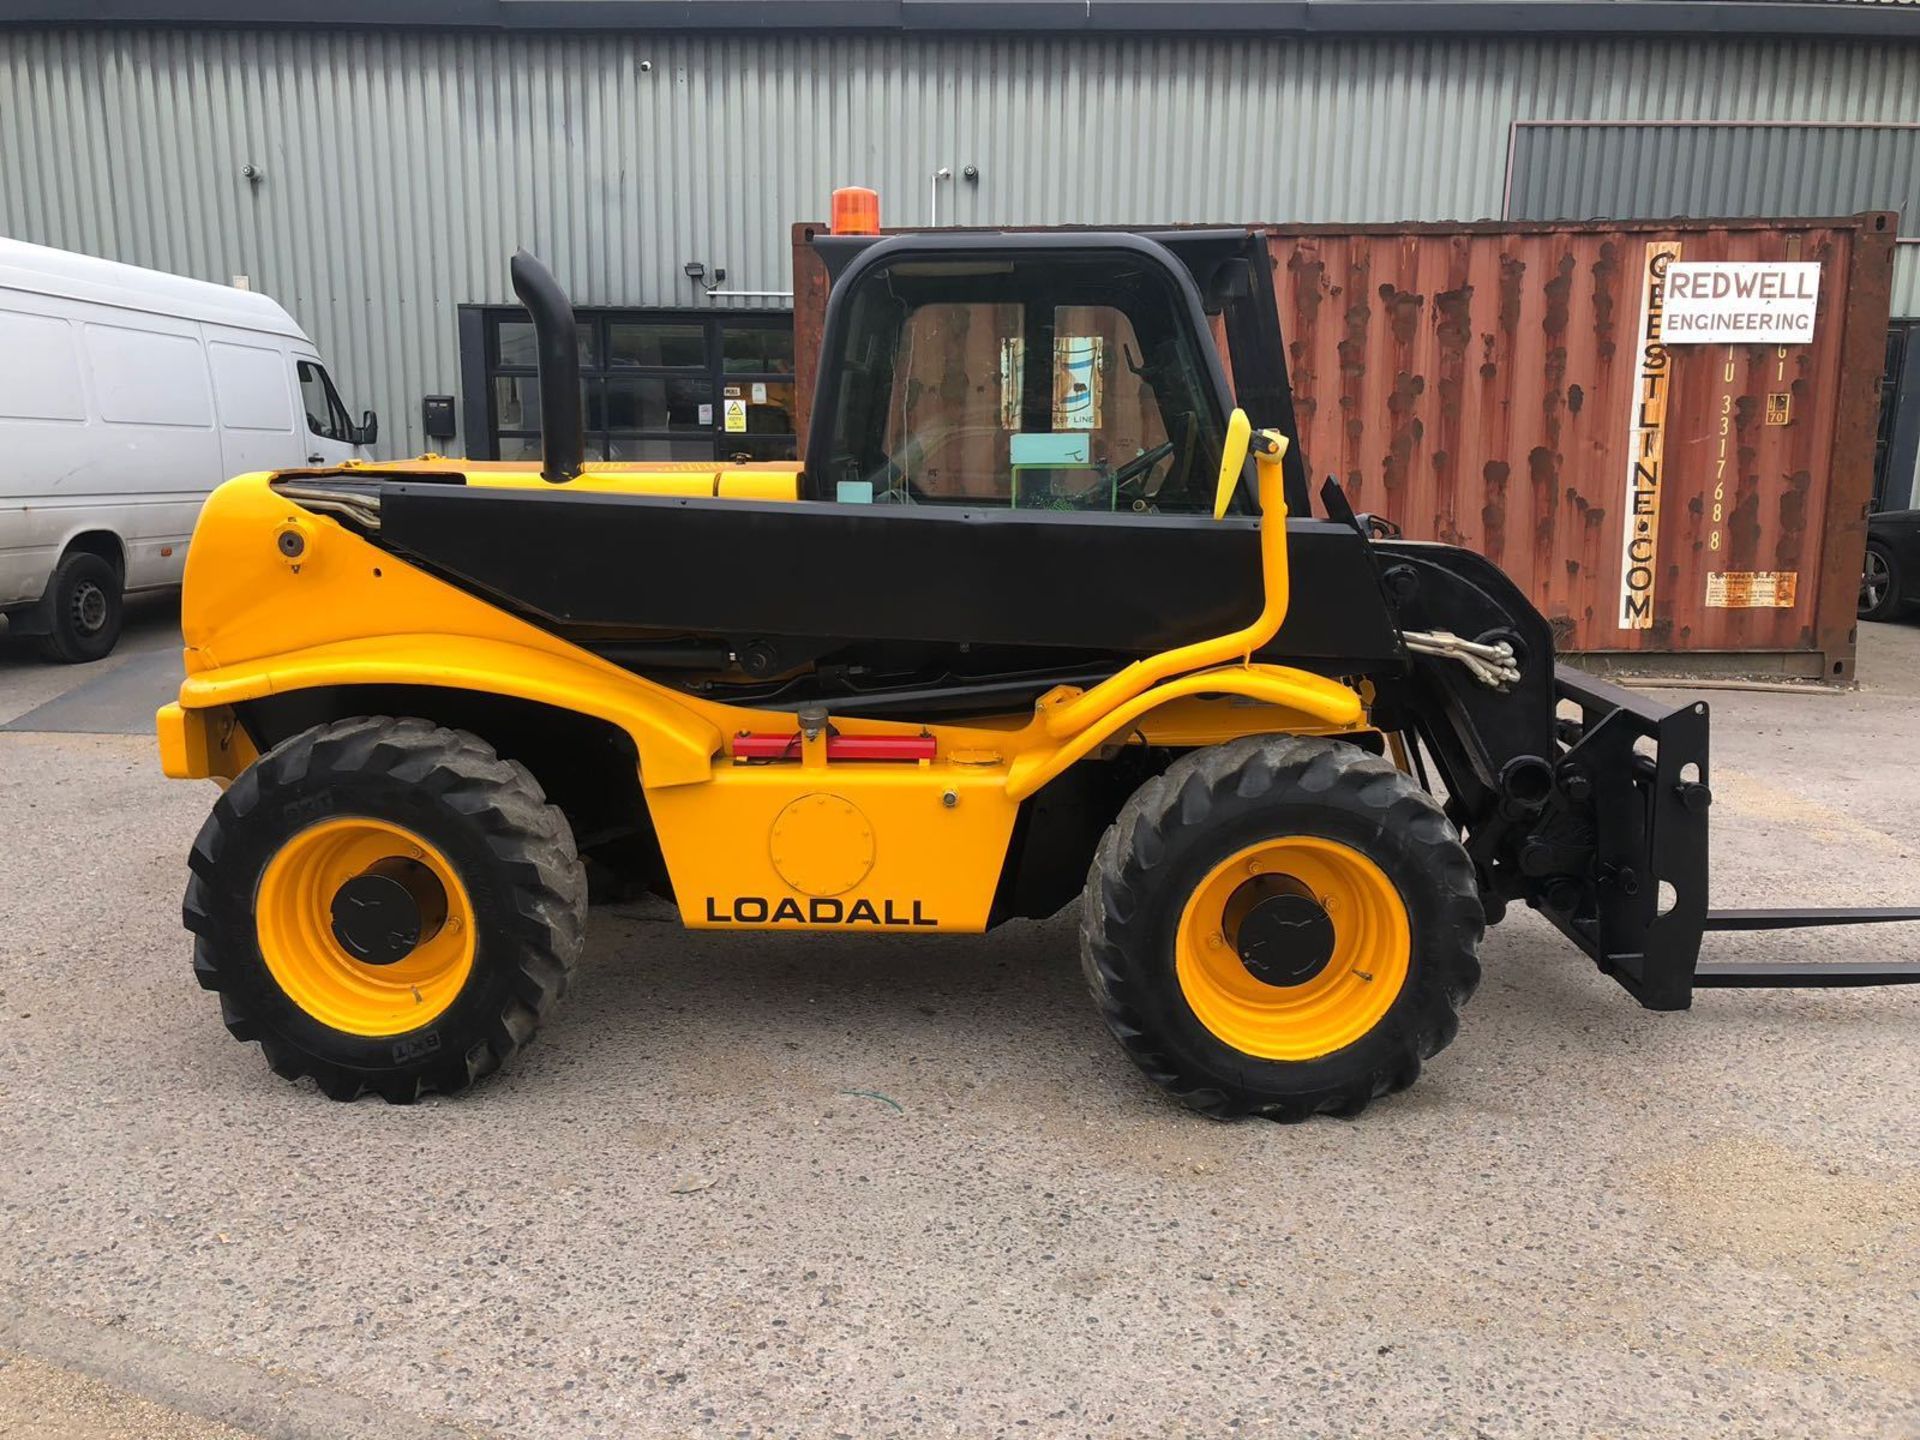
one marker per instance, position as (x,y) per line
(126,395)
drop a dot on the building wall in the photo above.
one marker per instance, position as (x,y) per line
(1653,169)
(400,170)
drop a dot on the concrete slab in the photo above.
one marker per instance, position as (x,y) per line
(693,1208)
(29,683)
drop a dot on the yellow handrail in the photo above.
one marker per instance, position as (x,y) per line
(1083,710)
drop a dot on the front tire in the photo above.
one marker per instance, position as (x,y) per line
(1282,926)
(385,905)
(83,607)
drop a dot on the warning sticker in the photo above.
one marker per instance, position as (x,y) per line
(736,423)
(1779,407)
(1752,589)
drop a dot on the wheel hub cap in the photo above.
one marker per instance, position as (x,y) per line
(90,607)
(1280,932)
(381,914)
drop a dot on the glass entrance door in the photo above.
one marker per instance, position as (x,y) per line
(660,385)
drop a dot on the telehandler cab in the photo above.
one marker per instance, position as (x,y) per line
(1042,617)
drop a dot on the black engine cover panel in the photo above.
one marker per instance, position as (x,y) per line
(599,567)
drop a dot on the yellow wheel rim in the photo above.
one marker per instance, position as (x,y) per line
(295,914)
(1336,984)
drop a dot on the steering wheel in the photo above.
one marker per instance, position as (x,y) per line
(1140,467)
(894,482)
(893,485)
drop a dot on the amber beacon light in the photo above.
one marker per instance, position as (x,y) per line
(856,211)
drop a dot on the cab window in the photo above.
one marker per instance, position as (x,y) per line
(1043,383)
(326,416)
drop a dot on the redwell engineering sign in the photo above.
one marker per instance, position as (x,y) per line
(1741,302)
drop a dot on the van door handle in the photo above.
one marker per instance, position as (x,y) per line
(316,459)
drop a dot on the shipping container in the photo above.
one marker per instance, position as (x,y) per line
(1667,499)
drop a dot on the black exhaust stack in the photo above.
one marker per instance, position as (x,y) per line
(562,429)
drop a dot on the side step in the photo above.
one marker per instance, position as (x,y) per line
(1796,974)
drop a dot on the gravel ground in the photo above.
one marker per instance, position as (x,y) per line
(814,1185)
(39,1401)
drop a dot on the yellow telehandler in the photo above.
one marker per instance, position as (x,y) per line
(1043,617)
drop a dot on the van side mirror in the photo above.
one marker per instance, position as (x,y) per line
(368,430)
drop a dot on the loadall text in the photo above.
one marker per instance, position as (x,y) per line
(758,910)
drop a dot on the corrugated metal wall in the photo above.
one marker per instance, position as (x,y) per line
(401,169)
(1638,171)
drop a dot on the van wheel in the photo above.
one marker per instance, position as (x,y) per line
(1881,596)
(82,608)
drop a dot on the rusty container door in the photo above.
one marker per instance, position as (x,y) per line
(1509,389)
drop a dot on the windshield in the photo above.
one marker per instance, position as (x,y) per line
(1048,382)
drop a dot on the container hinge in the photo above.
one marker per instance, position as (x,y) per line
(1492,665)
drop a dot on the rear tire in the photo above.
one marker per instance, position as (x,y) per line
(356,803)
(83,608)
(1352,979)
